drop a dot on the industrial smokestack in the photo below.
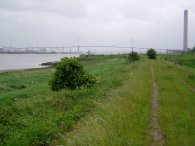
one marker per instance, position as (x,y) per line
(185,35)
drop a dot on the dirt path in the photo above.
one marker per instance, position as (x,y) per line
(158,138)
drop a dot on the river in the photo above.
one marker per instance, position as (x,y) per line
(27,61)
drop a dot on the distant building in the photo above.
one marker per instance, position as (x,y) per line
(53,50)
(28,50)
(43,50)
(175,51)
(1,49)
(19,50)
(9,49)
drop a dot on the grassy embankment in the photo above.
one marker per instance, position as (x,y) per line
(185,60)
(123,118)
(177,99)
(31,114)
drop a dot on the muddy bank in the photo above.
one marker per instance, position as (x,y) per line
(50,63)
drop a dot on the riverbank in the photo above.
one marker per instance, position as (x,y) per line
(17,70)
(155,106)
(11,62)
(117,110)
(40,114)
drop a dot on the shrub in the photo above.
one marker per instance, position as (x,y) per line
(179,61)
(151,53)
(191,76)
(70,74)
(133,56)
(192,50)
(17,86)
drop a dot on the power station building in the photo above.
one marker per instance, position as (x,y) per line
(1,49)
(185,35)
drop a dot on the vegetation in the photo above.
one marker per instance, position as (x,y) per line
(192,50)
(151,53)
(176,98)
(133,56)
(121,119)
(70,74)
(187,60)
(115,111)
(34,115)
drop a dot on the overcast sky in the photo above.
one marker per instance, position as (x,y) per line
(150,23)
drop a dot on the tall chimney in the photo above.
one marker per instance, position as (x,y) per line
(185,35)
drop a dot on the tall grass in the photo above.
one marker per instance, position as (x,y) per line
(23,84)
(122,119)
(40,115)
(116,111)
(186,71)
(181,59)
(177,110)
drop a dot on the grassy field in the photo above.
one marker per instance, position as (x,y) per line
(31,114)
(116,111)
(121,119)
(177,98)
(181,59)
(124,118)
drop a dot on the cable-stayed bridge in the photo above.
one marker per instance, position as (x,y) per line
(86,49)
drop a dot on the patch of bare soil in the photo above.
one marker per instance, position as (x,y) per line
(158,138)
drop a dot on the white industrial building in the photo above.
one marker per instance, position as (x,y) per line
(1,49)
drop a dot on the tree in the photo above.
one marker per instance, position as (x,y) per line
(151,53)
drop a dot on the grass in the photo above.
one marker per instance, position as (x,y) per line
(186,71)
(24,84)
(177,110)
(121,119)
(124,118)
(116,111)
(181,59)
(34,115)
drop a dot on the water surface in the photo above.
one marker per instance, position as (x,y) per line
(27,61)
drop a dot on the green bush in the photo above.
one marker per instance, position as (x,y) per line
(192,50)
(179,61)
(151,53)
(70,74)
(191,76)
(133,56)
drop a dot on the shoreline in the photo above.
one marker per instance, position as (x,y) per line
(29,61)
(42,66)
(24,69)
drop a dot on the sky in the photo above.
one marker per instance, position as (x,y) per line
(149,23)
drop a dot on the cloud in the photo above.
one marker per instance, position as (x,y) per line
(69,8)
(150,23)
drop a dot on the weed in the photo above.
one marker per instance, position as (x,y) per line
(42,115)
(179,61)
(122,119)
(170,66)
(191,76)
(17,86)
(176,105)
